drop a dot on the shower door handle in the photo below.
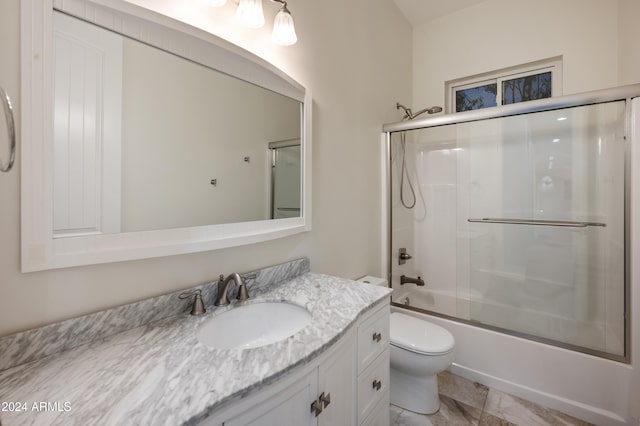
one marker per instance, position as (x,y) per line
(565,223)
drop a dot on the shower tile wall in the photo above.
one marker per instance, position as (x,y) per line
(436,253)
(403,226)
(431,238)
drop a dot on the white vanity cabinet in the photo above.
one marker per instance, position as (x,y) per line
(342,382)
(327,382)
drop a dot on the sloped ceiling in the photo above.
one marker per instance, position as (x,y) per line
(420,11)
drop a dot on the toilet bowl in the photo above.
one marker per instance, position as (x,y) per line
(419,351)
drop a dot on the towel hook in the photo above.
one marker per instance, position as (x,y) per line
(11,130)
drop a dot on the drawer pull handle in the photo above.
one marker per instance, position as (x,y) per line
(377,384)
(316,408)
(377,337)
(326,399)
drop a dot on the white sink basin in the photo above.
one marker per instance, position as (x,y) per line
(252,326)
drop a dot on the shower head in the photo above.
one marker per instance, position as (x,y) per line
(430,110)
(408,115)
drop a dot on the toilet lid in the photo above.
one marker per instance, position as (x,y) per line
(419,336)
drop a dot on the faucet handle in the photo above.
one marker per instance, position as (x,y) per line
(243,293)
(198,305)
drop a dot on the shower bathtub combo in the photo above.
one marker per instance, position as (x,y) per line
(511,227)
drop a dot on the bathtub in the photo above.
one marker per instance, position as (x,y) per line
(584,386)
(447,302)
(537,324)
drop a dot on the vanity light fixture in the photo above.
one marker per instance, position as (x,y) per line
(251,15)
(284,32)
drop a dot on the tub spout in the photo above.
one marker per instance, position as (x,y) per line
(408,280)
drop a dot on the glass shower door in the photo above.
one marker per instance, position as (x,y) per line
(519,224)
(546,208)
(285,181)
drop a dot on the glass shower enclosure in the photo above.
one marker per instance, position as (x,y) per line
(515,220)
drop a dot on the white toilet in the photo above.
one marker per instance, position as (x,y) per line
(419,351)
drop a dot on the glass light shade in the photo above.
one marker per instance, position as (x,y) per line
(284,32)
(250,13)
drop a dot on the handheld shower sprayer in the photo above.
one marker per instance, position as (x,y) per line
(409,115)
(404,173)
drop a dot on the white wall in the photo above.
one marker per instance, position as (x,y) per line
(499,34)
(628,36)
(355,57)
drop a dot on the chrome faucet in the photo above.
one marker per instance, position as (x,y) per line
(408,280)
(223,288)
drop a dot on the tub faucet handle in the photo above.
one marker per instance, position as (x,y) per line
(403,256)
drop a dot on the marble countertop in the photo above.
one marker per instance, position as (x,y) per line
(160,373)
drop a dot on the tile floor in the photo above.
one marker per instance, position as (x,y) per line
(463,402)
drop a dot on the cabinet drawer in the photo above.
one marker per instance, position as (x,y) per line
(379,415)
(373,337)
(373,385)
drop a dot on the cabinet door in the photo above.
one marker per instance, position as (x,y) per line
(337,379)
(290,407)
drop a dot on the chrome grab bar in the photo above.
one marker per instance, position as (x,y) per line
(11,130)
(565,223)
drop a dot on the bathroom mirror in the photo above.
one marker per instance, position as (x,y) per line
(145,137)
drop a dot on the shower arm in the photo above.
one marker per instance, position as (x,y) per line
(407,111)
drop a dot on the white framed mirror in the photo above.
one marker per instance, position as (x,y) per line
(143,137)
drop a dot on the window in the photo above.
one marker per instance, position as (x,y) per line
(527,82)
(527,88)
(476,96)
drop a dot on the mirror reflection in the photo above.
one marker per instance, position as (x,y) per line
(147,140)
